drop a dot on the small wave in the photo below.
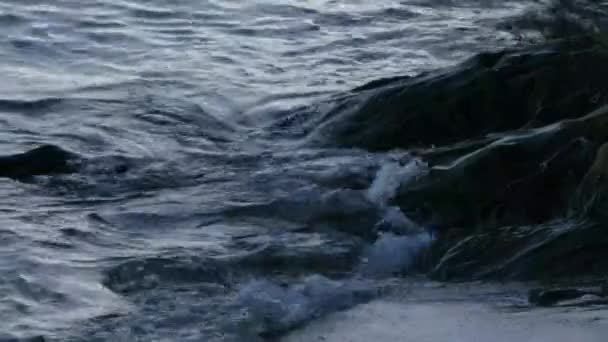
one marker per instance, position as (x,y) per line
(99,23)
(187,118)
(342,19)
(275,30)
(10,19)
(396,13)
(153,13)
(380,83)
(293,252)
(43,290)
(270,310)
(108,36)
(142,10)
(28,106)
(561,19)
(149,273)
(283,10)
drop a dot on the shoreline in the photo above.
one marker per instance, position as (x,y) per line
(458,312)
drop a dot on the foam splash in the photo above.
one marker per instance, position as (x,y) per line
(401,240)
(390,177)
(393,254)
(559,19)
(269,309)
(394,220)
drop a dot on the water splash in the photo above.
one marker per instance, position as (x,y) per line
(270,309)
(395,221)
(393,254)
(391,176)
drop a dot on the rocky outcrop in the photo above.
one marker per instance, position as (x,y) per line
(523,179)
(560,233)
(559,249)
(492,92)
(517,184)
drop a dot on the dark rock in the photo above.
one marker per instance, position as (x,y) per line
(548,297)
(563,18)
(526,203)
(293,253)
(515,188)
(43,160)
(492,92)
(344,210)
(591,196)
(28,339)
(518,244)
(526,177)
(560,249)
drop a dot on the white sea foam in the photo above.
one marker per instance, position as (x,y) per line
(391,176)
(392,254)
(269,308)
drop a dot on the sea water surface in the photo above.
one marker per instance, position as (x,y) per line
(215,231)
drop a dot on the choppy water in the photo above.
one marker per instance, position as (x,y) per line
(213,233)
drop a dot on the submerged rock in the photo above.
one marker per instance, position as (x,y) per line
(548,297)
(545,202)
(28,339)
(43,160)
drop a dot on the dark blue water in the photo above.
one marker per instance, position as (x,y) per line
(216,231)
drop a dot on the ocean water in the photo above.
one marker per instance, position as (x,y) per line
(215,232)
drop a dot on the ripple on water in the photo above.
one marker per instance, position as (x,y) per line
(182,199)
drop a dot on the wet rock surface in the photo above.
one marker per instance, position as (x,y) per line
(490,93)
(547,251)
(515,141)
(553,296)
(43,160)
